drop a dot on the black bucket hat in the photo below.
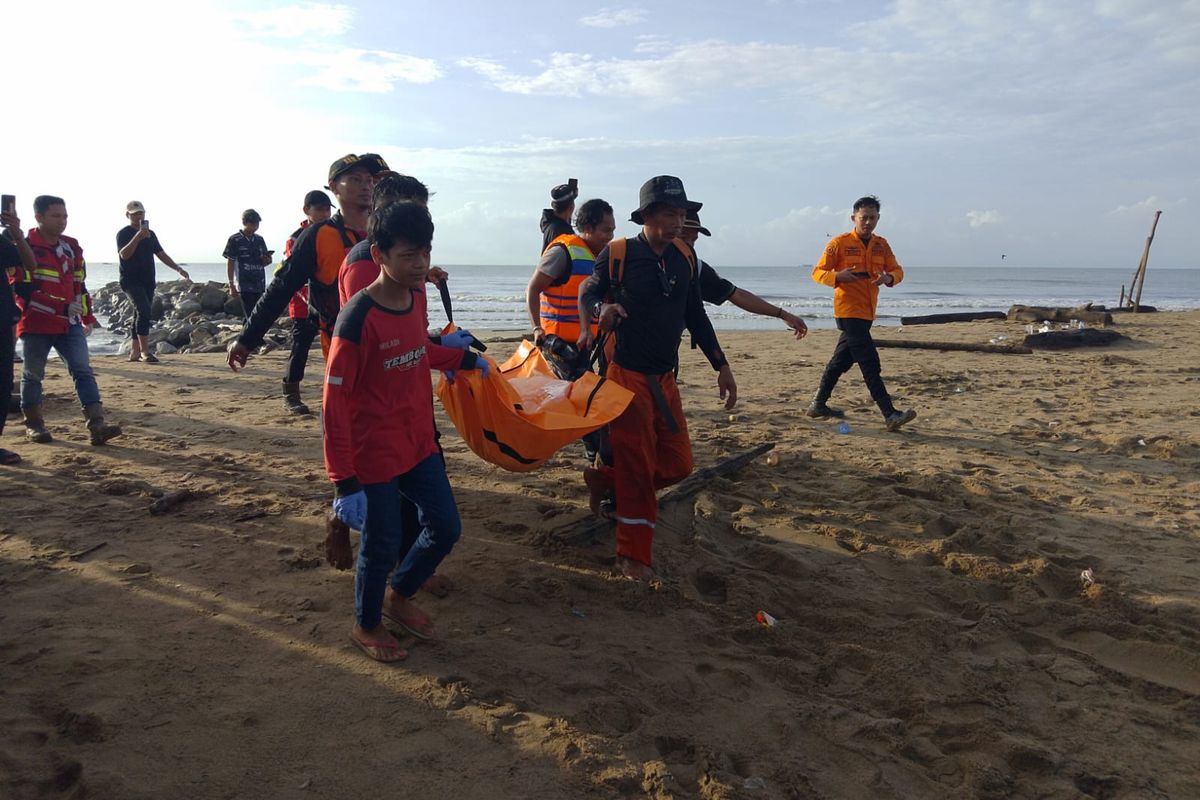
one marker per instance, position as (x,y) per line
(693,222)
(662,189)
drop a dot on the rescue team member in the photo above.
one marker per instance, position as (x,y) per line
(647,302)
(317,256)
(14,253)
(358,271)
(378,431)
(552,295)
(56,313)
(856,264)
(716,290)
(137,247)
(247,257)
(556,220)
(317,208)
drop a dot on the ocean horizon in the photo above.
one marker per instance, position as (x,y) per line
(493,297)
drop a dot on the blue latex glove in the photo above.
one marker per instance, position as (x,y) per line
(351,509)
(460,338)
(484,366)
(449,374)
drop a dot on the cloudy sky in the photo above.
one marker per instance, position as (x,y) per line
(1047,131)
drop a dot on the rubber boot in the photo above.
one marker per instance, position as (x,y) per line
(97,428)
(35,426)
(291,399)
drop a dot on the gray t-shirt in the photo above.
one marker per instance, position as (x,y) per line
(556,263)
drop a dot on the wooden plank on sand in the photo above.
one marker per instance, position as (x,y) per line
(1004,349)
(939,319)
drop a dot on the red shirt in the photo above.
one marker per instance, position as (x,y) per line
(378,405)
(298,305)
(358,271)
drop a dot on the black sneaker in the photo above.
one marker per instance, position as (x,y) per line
(898,419)
(821,411)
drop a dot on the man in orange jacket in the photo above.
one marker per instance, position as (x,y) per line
(856,264)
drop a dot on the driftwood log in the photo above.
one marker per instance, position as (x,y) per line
(1132,309)
(939,319)
(1004,349)
(1092,316)
(1064,340)
(590,528)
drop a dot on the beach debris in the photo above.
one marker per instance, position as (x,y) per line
(170,500)
(733,417)
(772,459)
(1141,442)
(76,556)
(998,339)
(579,612)
(1087,578)
(766,620)
(755,784)
(843,427)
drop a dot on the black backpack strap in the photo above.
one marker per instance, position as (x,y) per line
(444,292)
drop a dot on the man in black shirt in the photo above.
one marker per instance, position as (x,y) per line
(716,290)
(646,299)
(136,247)
(14,252)
(247,258)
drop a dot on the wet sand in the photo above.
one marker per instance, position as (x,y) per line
(934,637)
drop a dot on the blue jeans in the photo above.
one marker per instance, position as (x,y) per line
(383,540)
(72,348)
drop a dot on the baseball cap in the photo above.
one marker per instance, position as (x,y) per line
(134,206)
(693,222)
(316,199)
(662,189)
(375,163)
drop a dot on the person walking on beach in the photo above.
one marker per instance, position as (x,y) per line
(552,295)
(56,313)
(137,247)
(856,264)
(317,208)
(378,431)
(556,220)
(646,297)
(716,290)
(15,253)
(247,258)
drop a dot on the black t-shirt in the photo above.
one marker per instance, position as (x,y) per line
(140,267)
(248,252)
(713,288)
(9,259)
(661,298)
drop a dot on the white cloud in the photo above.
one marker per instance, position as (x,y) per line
(614,18)
(290,22)
(368,70)
(1151,203)
(977,219)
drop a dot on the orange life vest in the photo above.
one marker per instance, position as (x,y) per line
(559,312)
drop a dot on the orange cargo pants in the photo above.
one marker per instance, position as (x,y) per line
(651,450)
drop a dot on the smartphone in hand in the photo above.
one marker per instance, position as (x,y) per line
(145,224)
(8,204)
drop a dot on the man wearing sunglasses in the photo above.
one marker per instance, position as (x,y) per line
(645,303)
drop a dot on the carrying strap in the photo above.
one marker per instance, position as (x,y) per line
(660,400)
(448,306)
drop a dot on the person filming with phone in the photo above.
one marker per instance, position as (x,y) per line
(137,247)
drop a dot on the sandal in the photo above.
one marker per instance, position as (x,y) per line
(8,457)
(438,585)
(148,358)
(422,631)
(385,651)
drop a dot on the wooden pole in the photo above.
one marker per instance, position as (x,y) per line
(1141,276)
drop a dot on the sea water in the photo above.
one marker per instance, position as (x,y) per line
(493,297)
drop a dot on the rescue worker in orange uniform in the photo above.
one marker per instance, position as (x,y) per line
(856,264)
(553,291)
(647,301)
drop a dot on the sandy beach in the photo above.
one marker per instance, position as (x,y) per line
(934,638)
